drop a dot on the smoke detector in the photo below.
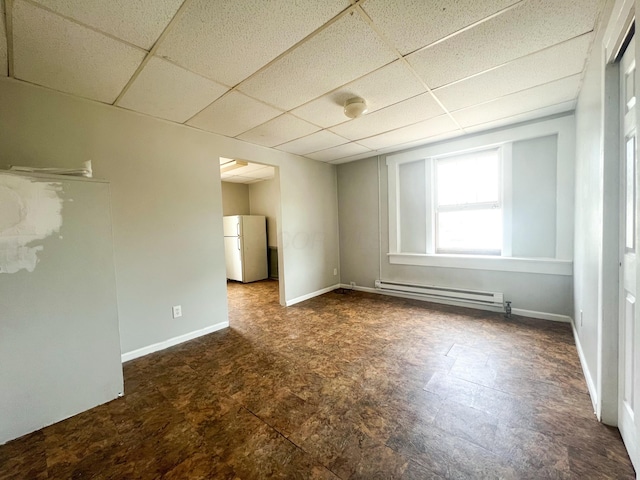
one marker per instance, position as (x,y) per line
(355,107)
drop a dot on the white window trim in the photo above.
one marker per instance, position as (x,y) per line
(435,209)
(562,264)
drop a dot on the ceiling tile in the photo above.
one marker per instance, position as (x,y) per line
(279,130)
(352,158)
(524,117)
(412,24)
(312,143)
(167,91)
(235,179)
(399,115)
(58,53)
(344,51)
(340,151)
(425,141)
(228,41)
(140,22)
(551,64)
(553,93)
(528,27)
(263,173)
(386,86)
(419,131)
(4,69)
(233,114)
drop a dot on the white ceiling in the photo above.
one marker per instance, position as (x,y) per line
(249,173)
(277,73)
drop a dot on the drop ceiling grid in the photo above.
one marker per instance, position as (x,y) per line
(167,91)
(381,88)
(341,151)
(312,143)
(233,114)
(252,117)
(280,130)
(412,110)
(559,61)
(138,23)
(344,51)
(522,30)
(210,41)
(430,21)
(434,126)
(560,91)
(57,53)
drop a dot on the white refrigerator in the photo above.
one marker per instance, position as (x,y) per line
(245,247)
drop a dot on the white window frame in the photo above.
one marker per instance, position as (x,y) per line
(562,264)
(499,203)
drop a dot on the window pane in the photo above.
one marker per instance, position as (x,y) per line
(469,178)
(470,231)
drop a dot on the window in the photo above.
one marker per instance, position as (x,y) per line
(468,203)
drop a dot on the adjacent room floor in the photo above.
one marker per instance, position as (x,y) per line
(342,386)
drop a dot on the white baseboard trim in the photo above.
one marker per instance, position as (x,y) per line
(293,301)
(516,311)
(141,352)
(593,393)
(554,317)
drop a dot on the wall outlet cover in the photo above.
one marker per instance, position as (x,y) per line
(177,311)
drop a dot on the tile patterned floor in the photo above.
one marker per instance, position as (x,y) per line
(351,386)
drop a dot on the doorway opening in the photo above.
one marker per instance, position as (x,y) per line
(252,230)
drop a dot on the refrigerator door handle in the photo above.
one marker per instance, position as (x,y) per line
(238,240)
(238,229)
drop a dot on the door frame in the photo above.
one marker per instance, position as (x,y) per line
(607,384)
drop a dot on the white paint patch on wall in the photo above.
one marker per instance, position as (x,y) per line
(30,210)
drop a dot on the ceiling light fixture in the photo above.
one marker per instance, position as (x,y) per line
(232,165)
(355,107)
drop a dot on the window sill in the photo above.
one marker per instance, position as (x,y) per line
(546,266)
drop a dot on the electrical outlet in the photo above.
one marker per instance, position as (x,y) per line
(353,284)
(177,311)
(335,271)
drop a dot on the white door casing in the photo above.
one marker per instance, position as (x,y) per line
(629,388)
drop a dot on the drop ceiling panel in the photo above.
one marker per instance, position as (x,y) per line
(312,143)
(523,117)
(228,41)
(341,151)
(4,69)
(165,90)
(412,24)
(279,130)
(58,53)
(551,64)
(344,51)
(138,22)
(528,27)
(233,114)
(252,171)
(386,86)
(557,92)
(237,179)
(399,115)
(422,130)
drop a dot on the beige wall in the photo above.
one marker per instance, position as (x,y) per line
(167,205)
(364,243)
(235,199)
(264,199)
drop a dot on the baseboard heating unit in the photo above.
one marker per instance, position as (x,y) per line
(478,297)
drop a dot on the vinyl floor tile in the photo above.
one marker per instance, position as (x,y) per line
(351,386)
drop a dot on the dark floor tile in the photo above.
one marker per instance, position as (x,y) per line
(341,386)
